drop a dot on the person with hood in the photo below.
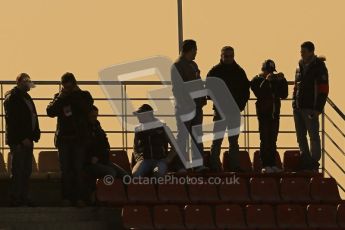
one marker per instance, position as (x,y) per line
(309,98)
(151,141)
(71,106)
(269,88)
(22,130)
(237,82)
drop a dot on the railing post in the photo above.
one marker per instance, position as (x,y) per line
(2,120)
(323,142)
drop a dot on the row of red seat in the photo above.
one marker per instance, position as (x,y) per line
(232,216)
(256,190)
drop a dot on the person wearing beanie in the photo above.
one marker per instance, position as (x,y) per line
(22,130)
(269,88)
(309,98)
(71,106)
(151,143)
(237,83)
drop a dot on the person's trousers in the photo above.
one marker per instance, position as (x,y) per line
(268,129)
(215,164)
(148,167)
(22,157)
(184,129)
(307,123)
(72,161)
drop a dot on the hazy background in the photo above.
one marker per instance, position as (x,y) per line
(48,38)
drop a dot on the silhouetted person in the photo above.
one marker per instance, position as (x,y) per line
(237,82)
(309,98)
(71,106)
(98,163)
(269,88)
(22,129)
(189,71)
(151,143)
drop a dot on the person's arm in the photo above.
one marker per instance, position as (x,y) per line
(169,138)
(322,88)
(281,88)
(56,105)
(245,89)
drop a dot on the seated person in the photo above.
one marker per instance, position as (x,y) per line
(151,145)
(98,163)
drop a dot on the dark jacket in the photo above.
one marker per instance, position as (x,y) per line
(235,79)
(19,118)
(151,144)
(98,144)
(269,93)
(189,71)
(311,85)
(72,112)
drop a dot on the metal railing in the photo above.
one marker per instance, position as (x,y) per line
(123,130)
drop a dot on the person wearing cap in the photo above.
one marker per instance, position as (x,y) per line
(269,88)
(151,143)
(188,71)
(237,83)
(22,130)
(309,98)
(71,106)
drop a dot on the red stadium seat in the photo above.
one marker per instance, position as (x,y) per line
(291,216)
(136,217)
(257,163)
(173,193)
(142,193)
(237,192)
(198,217)
(260,216)
(120,158)
(341,215)
(264,189)
(113,193)
(229,216)
(291,160)
(167,217)
(324,190)
(322,216)
(204,193)
(295,189)
(48,162)
(244,161)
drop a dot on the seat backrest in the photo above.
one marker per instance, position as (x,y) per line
(244,161)
(142,193)
(113,193)
(291,161)
(229,216)
(120,158)
(136,217)
(48,161)
(291,216)
(260,216)
(203,192)
(167,217)
(236,192)
(176,193)
(295,189)
(264,189)
(198,217)
(322,216)
(324,189)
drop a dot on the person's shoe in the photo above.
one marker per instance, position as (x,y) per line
(267,170)
(80,204)
(66,203)
(276,169)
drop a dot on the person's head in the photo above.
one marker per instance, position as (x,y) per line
(24,82)
(189,49)
(93,114)
(68,81)
(227,55)
(307,51)
(144,113)
(268,66)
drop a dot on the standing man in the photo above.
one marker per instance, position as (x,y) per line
(71,106)
(237,82)
(309,98)
(22,129)
(269,88)
(189,71)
